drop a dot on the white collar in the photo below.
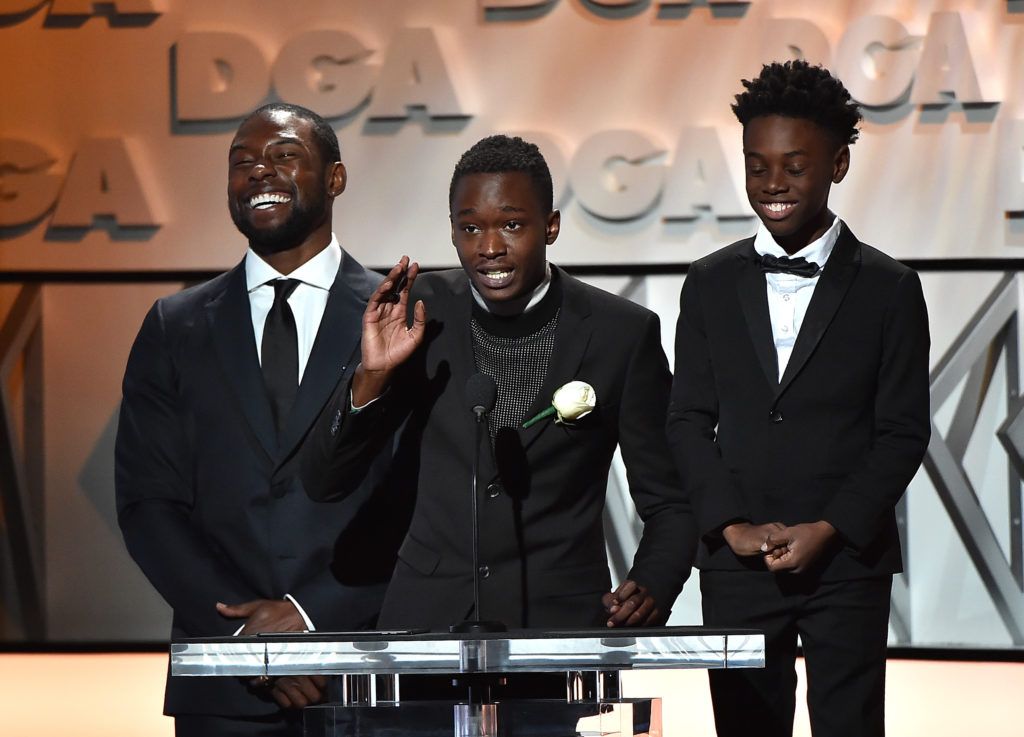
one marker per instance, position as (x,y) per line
(320,271)
(535,298)
(816,252)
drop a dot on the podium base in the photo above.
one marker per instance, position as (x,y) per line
(510,718)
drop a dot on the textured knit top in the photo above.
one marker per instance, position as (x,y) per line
(515,351)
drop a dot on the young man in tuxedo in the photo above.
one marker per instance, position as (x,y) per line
(799,414)
(532,328)
(223,383)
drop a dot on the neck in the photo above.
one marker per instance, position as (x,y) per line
(289,259)
(811,232)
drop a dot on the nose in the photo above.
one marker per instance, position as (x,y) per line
(492,245)
(260,170)
(776,181)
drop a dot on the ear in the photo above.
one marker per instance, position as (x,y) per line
(841,165)
(451,222)
(337,178)
(553,226)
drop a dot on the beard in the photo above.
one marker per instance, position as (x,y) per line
(306,216)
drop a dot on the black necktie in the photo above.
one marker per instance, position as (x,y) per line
(280,352)
(785,265)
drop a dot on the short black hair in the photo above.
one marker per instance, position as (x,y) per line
(500,153)
(324,134)
(796,89)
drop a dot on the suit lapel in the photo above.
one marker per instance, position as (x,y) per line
(753,295)
(572,336)
(334,350)
(842,266)
(230,321)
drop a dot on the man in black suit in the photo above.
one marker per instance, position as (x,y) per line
(533,328)
(799,415)
(222,386)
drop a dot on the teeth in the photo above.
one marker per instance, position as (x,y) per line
(497,274)
(777,206)
(267,199)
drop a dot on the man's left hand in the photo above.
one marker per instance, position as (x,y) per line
(631,606)
(796,548)
(264,615)
(298,692)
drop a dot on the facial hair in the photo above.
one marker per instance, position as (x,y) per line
(306,216)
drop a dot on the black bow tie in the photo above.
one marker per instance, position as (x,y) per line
(785,265)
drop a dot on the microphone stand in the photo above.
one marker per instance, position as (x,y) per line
(477,625)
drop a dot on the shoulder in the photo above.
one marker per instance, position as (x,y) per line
(603,304)
(724,260)
(195,297)
(440,284)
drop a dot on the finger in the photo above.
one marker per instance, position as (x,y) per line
(643,611)
(626,589)
(608,601)
(410,278)
(320,682)
(625,611)
(308,689)
(281,695)
(234,611)
(291,691)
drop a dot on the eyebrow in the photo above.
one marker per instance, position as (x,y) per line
(505,208)
(796,152)
(276,142)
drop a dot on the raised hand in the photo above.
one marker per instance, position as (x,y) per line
(388,341)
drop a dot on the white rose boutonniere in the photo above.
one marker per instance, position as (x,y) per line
(571,402)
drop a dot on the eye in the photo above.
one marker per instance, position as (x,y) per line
(470,229)
(513,225)
(241,162)
(795,171)
(756,171)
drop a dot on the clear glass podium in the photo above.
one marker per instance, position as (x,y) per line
(365,701)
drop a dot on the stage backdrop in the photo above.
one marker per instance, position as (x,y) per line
(115,121)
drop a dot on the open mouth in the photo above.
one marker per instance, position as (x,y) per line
(266,200)
(495,278)
(777,210)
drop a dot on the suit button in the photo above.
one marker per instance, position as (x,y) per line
(494,489)
(484,571)
(775,416)
(279,489)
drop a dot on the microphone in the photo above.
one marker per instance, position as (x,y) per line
(481,393)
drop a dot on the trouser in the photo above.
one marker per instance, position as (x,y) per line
(843,628)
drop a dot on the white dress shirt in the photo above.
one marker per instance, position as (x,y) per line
(788,294)
(307,302)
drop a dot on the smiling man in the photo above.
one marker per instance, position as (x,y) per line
(799,415)
(222,385)
(531,327)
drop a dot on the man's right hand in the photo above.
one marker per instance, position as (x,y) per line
(746,539)
(388,342)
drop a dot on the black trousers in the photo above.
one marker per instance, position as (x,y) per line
(843,627)
(282,724)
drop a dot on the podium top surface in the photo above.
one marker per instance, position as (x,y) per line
(408,651)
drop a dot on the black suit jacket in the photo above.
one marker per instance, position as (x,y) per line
(842,434)
(209,502)
(542,489)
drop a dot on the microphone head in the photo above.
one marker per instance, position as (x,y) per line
(481,392)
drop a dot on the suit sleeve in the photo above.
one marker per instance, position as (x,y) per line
(667,547)
(902,424)
(693,418)
(154,491)
(344,444)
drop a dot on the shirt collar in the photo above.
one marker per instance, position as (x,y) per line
(817,251)
(320,271)
(535,298)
